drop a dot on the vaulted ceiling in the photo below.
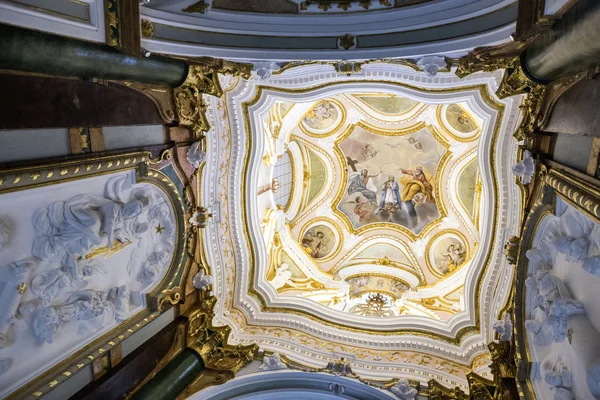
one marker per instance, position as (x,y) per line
(325,29)
(364,216)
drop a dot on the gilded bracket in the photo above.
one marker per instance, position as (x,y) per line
(511,249)
(191,107)
(210,342)
(203,78)
(439,392)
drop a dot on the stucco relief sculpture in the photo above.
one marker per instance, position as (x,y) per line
(525,168)
(94,308)
(504,328)
(282,276)
(150,258)
(593,379)
(404,391)
(196,155)
(558,377)
(554,305)
(264,69)
(13,278)
(92,257)
(4,234)
(272,363)
(68,230)
(575,249)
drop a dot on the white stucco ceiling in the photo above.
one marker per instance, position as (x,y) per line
(309,333)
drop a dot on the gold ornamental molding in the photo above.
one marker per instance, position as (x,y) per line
(122,22)
(222,360)
(203,78)
(514,82)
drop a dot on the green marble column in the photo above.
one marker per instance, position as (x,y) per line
(38,52)
(170,381)
(571,47)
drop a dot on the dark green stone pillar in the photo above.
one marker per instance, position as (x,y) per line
(170,381)
(570,47)
(32,51)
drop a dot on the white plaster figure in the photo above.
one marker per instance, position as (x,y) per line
(272,363)
(504,328)
(195,155)
(432,64)
(403,390)
(13,278)
(68,230)
(576,249)
(202,281)
(558,378)
(282,276)
(525,168)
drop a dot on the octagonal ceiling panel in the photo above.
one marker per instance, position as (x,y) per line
(388,248)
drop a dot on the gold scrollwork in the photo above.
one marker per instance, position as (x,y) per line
(147,29)
(113,35)
(203,78)
(210,341)
(189,98)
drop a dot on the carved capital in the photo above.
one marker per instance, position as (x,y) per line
(479,387)
(515,81)
(503,365)
(210,342)
(191,107)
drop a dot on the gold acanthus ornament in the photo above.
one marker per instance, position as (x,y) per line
(515,81)
(147,29)
(203,78)
(189,98)
(210,342)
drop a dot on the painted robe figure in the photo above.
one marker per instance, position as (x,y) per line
(416,187)
(390,197)
(363,183)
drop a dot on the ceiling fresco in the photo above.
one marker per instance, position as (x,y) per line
(400,190)
(387,250)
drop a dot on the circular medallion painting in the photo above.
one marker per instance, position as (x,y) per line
(323,117)
(459,119)
(319,241)
(449,254)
